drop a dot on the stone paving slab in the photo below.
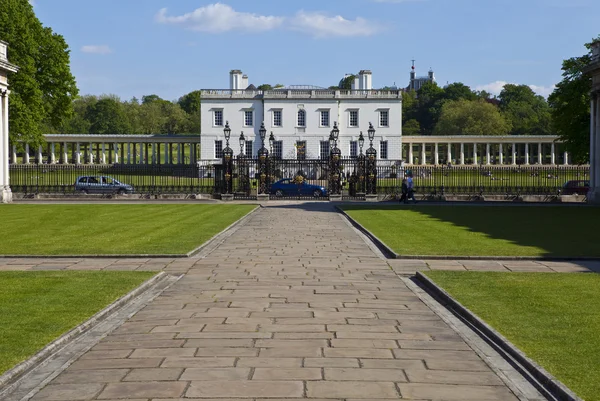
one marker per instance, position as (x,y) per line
(260,317)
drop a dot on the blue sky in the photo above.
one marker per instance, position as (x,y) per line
(169,48)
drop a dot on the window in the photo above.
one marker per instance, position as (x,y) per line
(353,118)
(249,148)
(324,118)
(353,149)
(383,148)
(278,149)
(218,118)
(248,118)
(277,120)
(324,151)
(301,150)
(301,118)
(219,149)
(384,120)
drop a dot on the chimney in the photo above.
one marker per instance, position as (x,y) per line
(235,80)
(365,79)
(244,81)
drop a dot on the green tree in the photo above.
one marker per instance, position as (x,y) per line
(470,117)
(346,82)
(528,113)
(430,99)
(457,91)
(411,128)
(190,103)
(107,117)
(570,107)
(152,118)
(265,87)
(44,88)
(78,123)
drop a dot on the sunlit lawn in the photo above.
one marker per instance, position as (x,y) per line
(556,231)
(38,307)
(553,318)
(112,229)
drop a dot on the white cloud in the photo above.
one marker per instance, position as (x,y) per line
(320,25)
(218,18)
(496,87)
(96,49)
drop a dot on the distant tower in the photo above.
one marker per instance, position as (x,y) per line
(413,76)
(431,76)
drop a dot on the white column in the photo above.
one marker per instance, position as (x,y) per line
(103,156)
(39,155)
(514,153)
(410,153)
(77,153)
(26,155)
(90,153)
(540,155)
(552,154)
(501,154)
(423,157)
(462,153)
(527,154)
(14,154)
(128,152)
(65,154)
(52,155)
(5,192)
(474,153)
(436,156)
(487,154)
(5,196)
(449,155)
(116,152)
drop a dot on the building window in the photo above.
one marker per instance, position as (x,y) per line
(353,118)
(248,118)
(384,120)
(301,118)
(278,149)
(249,148)
(218,118)
(277,120)
(301,150)
(324,150)
(218,149)
(383,149)
(324,118)
(353,149)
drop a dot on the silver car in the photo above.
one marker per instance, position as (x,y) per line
(100,184)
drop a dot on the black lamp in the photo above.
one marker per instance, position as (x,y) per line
(361,141)
(242,142)
(371,132)
(335,132)
(263,133)
(331,142)
(271,141)
(227,132)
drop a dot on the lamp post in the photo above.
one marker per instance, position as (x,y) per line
(334,162)
(228,160)
(371,163)
(242,143)
(243,173)
(263,161)
(361,164)
(271,142)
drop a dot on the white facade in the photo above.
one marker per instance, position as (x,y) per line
(297,116)
(5,68)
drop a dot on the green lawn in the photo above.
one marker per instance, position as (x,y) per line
(112,229)
(511,230)
(38,307)
(553,318)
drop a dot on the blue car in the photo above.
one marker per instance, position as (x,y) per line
(287,187)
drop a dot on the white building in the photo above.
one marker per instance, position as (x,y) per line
(301,119)
(417,82)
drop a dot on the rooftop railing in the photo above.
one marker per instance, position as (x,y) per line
(302,94)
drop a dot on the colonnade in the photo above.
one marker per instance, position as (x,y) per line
(127,150)
(506,150)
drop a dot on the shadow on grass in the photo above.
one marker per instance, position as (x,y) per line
(556,231)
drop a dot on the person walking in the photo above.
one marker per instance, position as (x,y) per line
(411,190)
(404,196)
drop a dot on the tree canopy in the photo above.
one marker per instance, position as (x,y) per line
(570,106)
(43,90)
(470,117)
(527,113)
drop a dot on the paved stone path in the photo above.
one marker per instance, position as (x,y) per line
(294,305)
